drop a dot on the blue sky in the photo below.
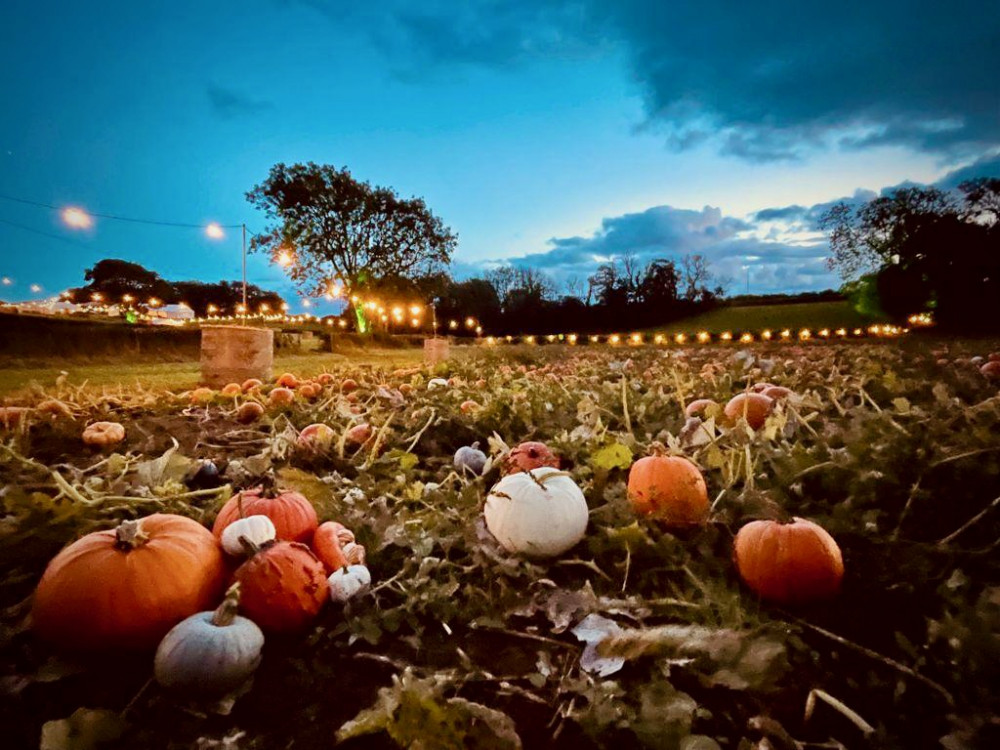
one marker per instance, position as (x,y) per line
(552,134)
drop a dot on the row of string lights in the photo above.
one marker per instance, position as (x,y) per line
(706,337)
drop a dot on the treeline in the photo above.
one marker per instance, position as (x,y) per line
(621,295)
(921,249)
(115,281)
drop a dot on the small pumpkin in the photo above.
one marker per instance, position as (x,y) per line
(249,412)
(103,434)
(348,385)
(670,489)
(287,380)
(124,588)
(788,563)
(281,397)
(469,405)
(310,391)
(754,407)
(358,435)
(697,406)
(435,383)
(539,513)
(251,384)
(991,369)
(346,583)
(201,396)
(528,456)
(469,459)
(761,387)
(231,389)
(293,516)
(54,408)
(316,437)
(778,393)
(256,530)
(324,378)
(210,653)
(328,542)
(283,587)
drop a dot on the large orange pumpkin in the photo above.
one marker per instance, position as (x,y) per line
(294,517)
(754,407)
(528,456)
(788,563)
(668,488)
(125,588)
(282,587)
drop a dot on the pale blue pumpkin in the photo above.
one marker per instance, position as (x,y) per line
(210,653)
(470,459)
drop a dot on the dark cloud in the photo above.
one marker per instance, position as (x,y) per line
(229,104)
(764,81)
(987,166)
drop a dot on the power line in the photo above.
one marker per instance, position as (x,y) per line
(115,217)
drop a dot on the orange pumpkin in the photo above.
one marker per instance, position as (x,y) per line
(324,378)
(991,369)
(232,389)
(670,489)
(310,391)
(287,380)
(281,397)
(201,395)
(348,385)
(249,412)
(697,406)
(125,588)
(293,516)
(777,392)
(358,435)
(251,384)
(328,544)
(788,563)
(469,406)
(282,587)
(528,456)
(754,407)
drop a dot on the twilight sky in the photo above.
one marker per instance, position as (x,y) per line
(550,133)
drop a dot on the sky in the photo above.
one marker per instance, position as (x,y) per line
(552,134)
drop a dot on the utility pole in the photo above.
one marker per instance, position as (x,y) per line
(244,226)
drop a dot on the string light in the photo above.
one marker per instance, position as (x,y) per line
(214,231)
(726,336)
(76,218)
(680,338)
(703,336)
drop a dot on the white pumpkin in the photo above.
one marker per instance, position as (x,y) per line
(541,513)
(437,383)
(210,653)
(258,530)
(348,582)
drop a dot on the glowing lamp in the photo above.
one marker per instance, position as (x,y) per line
(76,218)
(214,231)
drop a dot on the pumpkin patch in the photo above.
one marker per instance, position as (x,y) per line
(601,554)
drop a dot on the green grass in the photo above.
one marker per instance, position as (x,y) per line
(775,317)
(185,375)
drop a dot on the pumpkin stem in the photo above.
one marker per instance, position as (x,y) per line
(250,547)
(656,448)
(129,535)
(226,612)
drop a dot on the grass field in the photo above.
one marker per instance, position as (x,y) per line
(178,375)
(776,317)
(184,375)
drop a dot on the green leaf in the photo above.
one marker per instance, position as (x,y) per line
(612,456)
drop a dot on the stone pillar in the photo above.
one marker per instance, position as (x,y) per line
(231,354)
(435,350)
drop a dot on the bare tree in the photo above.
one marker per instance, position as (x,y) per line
(695,276)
